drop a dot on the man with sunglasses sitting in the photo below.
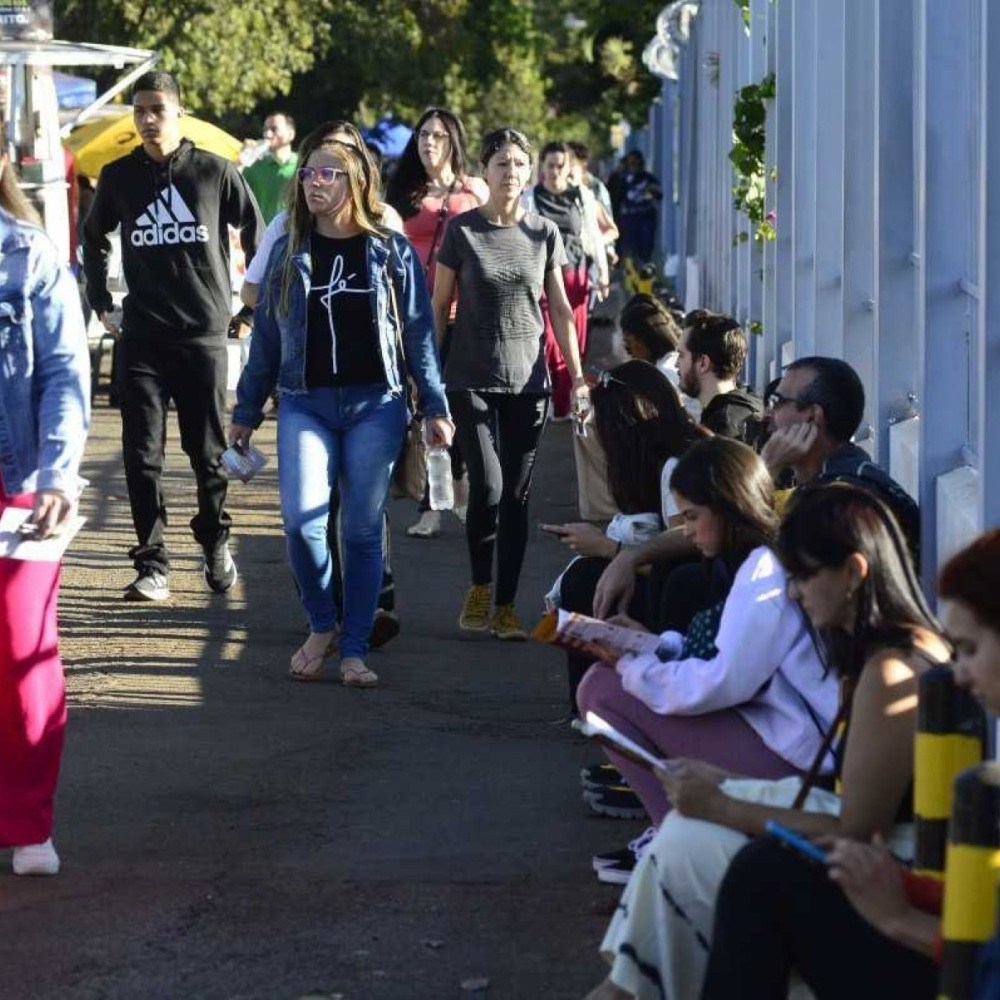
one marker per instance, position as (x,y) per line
(813,414)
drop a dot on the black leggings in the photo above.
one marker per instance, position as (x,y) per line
(498,433)
(777,912)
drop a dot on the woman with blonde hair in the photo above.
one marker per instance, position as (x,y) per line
(344,318)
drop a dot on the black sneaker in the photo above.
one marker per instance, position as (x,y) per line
(385,628)
(149,585)
(615,867)
(616,801)
(220,570)
(598,776)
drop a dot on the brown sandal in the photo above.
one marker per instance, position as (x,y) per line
(354,673)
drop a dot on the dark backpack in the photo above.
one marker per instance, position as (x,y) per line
(852,464)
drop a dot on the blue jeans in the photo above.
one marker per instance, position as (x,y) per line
(349,435)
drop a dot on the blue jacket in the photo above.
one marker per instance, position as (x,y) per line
(44,364)
(278,346)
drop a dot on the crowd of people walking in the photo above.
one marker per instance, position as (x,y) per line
(774,562)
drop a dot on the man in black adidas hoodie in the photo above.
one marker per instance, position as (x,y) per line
(175,204)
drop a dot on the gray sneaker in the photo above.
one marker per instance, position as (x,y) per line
(220,569)
(149,585)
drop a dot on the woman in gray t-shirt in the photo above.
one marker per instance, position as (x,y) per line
(501,260)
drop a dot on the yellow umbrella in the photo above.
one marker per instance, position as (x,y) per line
(96,143)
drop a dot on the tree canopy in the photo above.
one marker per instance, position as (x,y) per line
(566,67)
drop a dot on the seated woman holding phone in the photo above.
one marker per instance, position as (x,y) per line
(848,566)
(644,429)
(860,902)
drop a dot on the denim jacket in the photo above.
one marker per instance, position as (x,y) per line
(44,365)
(278,346)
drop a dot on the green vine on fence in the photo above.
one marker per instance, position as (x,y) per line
(744,6)
(747,157)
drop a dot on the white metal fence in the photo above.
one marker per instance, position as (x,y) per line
(883,171)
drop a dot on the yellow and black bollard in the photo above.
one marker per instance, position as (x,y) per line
(970,888)
(951,736)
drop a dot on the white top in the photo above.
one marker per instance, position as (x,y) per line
(668,505)
(277,228)
(767,667)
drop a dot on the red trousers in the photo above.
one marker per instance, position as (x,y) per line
(577,291)
(32,695)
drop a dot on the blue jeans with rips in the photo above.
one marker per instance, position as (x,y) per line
(350,436)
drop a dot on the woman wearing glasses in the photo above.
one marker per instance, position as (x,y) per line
(501,260)
(431,184)
(386,624)
(341,297)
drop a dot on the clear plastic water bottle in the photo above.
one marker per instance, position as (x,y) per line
(439,482)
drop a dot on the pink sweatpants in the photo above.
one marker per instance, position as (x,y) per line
(32,695)
(577,291)
(720,738)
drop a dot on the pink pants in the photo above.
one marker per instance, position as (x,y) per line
(32,695)
(720,738)
(577,291)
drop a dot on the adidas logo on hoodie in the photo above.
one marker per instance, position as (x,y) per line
(167,221)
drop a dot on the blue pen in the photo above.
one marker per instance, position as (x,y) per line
(796,840)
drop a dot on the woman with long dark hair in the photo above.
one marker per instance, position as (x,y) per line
(806,918)
(345,307)
(849,569)
(430,185)
(642,430)
(44,414)
(750,694)
(501,259)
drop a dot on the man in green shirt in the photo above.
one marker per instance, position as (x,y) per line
(270,176)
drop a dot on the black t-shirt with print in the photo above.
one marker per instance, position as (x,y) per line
(340,322)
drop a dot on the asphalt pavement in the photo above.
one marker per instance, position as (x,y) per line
(227,833)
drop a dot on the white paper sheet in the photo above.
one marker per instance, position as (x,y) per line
(14,545)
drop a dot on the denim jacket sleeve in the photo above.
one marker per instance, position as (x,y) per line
(61,380)
(260,374)
(419,340)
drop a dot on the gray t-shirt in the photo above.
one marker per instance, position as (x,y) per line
(497,344)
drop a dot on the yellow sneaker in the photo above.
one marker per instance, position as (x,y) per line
(506,625)
(475,616)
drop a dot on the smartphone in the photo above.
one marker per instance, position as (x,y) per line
(244,463)
(796,840)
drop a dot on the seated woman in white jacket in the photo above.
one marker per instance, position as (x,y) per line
(744,688)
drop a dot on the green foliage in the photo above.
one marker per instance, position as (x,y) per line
(744,6)
(747,156)
(532,63)
(227,56)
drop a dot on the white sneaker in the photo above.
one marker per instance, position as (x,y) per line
(429,525)
(461,505)
(36,859)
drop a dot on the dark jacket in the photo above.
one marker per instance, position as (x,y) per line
(175,218)
(726,413)
(851,464)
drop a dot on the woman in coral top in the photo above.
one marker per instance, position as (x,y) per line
(431,184)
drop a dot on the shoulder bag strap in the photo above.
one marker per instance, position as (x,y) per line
(439,228)
(809,781)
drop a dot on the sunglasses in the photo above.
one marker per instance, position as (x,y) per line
(324,175)
(776,399)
